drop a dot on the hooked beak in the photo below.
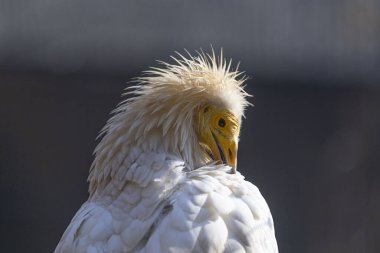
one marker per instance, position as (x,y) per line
(224,151)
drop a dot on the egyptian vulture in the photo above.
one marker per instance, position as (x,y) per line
(164,176)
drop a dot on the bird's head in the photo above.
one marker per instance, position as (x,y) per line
(192,109)
(218,133)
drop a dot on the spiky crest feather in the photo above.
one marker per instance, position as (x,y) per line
(159,115)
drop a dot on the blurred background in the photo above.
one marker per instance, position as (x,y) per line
(311,143)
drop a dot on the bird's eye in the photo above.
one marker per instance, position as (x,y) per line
(221,122)
(205,110)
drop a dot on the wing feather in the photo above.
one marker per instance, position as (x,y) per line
(205,210)
(213,211)
(119,218)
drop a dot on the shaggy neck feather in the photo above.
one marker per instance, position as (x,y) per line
(151,131)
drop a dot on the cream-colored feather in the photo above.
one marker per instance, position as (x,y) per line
(163,102)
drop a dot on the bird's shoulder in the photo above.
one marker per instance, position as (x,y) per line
(118,218)
(215,211)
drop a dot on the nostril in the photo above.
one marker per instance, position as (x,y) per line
(210,154)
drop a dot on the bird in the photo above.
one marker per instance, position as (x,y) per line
(164,176)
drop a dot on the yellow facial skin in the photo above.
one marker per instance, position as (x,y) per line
(218,133)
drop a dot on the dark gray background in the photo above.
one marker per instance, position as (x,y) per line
(311,143)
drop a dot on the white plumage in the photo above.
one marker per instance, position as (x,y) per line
(153,188)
